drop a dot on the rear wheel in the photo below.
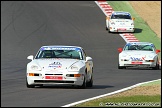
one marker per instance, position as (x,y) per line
(90,83)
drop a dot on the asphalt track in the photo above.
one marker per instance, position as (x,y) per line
(28,25)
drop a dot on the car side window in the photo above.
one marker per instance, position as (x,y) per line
(84,54)
(126,47)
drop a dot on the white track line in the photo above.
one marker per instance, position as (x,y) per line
(100,96)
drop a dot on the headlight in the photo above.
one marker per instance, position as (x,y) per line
(124,55)
(73,68)
(35,67)
(151,56)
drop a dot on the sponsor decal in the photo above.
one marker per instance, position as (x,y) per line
(137,59)
(59,48)
(55,65)
(121,13)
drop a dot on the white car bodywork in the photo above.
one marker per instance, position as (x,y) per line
(69,66)
(120,21)
(138,54)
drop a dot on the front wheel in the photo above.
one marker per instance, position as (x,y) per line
(83,86)
(121,67)
(156,67)
(106,28)
(29,86)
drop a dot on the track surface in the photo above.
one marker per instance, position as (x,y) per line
(27,25)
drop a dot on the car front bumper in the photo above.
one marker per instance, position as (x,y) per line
(121,29)
(137,64)
(58,78)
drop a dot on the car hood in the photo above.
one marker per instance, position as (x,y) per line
(56,63)
(138,54)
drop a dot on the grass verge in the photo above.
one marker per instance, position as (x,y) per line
(140,100)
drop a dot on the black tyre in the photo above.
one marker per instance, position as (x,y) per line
(121,67)
(109,31)
(90,83)
(106,28)
(156,67)
(83,86)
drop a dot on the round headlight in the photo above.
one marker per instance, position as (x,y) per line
(35,67)
(73,68)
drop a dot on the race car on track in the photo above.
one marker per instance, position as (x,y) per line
(60,65)
(120,21)
(138,54)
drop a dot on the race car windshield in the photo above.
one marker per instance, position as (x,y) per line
(139,47)
(121,17)
(72,54)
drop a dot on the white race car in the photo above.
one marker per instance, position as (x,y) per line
(120,21)
(138,54)
(60,65)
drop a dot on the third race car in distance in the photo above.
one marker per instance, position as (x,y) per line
(120,21)
(138,54)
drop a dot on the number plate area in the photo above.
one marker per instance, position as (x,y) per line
(136,62)
(54,77)
(123,29)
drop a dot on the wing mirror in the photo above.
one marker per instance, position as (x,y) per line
(157,51)
(120,50)
(133,18)
(88,58)
(30,57)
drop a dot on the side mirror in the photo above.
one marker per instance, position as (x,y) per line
(133,18)
(30,57)
(157,51)
(88,58)
(120,50)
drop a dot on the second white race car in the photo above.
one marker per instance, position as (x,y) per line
(60,65)
(138,54)
(120,21)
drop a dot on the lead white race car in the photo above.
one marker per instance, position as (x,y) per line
(138,54)
(120,21)
(60,65)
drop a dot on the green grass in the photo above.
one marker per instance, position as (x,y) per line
(138,99)
(124,100)
(152,83)
(143,32)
